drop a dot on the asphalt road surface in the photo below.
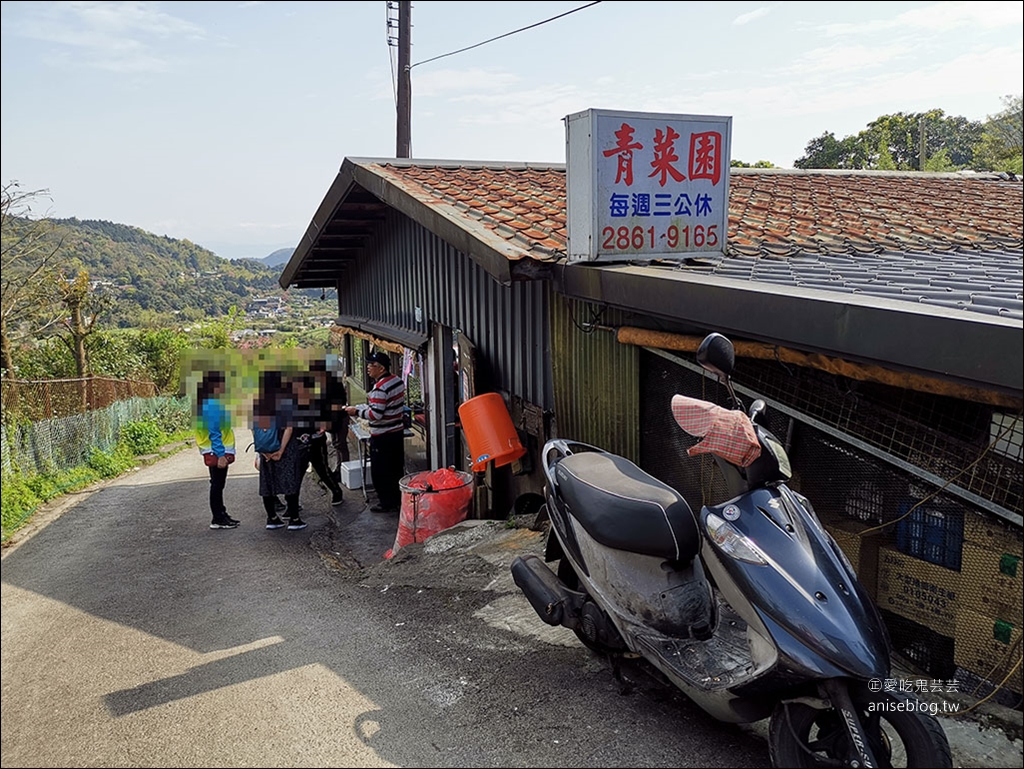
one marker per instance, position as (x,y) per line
(133,635)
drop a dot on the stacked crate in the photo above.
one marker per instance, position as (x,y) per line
(989,621)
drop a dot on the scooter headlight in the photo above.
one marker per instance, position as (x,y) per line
(732,542)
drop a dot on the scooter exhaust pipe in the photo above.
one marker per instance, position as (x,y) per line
(550,598)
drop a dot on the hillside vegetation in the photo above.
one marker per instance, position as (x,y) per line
(152,280)
(84,297)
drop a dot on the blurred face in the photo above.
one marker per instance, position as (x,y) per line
(302,392)
(374,369)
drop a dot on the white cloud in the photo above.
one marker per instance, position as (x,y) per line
(844,58)
(452,81)
(746,18)
(941,17)
(946,85)
(536,107)
(123,18)
(954,16)
(117,37)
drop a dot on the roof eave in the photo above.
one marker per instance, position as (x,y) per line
(962,347)
(410,338)
(335,196)
(497,259)
(451,228)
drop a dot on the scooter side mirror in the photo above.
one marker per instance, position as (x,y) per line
(717,355)
(757,408)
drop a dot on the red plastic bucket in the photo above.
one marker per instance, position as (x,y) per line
(489,431)
(432,501)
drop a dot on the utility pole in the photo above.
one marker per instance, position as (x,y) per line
(920,132)
(403,148)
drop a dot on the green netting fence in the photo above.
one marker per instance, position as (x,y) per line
(63,443)
(51,431)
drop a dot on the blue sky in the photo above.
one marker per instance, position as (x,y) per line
(226,122)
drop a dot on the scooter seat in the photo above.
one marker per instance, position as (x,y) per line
(623,507)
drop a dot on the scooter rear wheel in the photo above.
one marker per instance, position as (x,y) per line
(901,735)
(603,626)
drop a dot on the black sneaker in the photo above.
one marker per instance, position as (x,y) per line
(279,506)
(337,498)
(228,523)
(295,524)
(383,509)
(275,523)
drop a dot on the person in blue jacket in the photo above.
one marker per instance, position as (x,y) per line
(216,441)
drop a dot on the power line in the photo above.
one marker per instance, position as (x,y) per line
(507,34)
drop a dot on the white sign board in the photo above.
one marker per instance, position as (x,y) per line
(642,186)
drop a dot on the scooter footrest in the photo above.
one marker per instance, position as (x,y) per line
(715,663)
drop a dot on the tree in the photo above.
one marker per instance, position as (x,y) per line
(939,163)
(883,158)
(958,136)
(1000,146)
(28,251)
(162,350)
(47,359)
(894,142)
(758,164)
(144,354)
(828,152)
(83,310)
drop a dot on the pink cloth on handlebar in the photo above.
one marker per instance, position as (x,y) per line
(727,433)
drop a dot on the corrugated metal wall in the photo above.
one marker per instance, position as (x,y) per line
(596,382)
(410,267)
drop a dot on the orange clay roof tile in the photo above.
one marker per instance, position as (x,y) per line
(775,217)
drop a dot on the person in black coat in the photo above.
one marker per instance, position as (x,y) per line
(311,431)
(333,398)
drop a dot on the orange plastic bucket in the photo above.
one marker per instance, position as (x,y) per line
(489,431)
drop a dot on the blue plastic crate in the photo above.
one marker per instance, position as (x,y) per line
(933,532)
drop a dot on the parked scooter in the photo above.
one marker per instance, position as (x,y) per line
(750,608)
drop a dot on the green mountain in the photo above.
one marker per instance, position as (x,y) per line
(151,278)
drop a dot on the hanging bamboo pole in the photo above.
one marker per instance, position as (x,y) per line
(860,371)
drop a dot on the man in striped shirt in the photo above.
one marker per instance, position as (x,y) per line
(383,410)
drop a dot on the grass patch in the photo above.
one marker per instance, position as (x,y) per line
(143,437)
(22,495)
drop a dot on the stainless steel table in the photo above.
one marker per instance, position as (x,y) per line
(361,431)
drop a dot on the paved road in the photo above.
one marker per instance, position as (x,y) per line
(133,635)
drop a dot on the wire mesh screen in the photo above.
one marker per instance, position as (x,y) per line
(931,432)
(53,398)
(945,573)
(63,443)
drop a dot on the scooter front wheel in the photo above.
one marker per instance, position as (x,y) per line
(899,727)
